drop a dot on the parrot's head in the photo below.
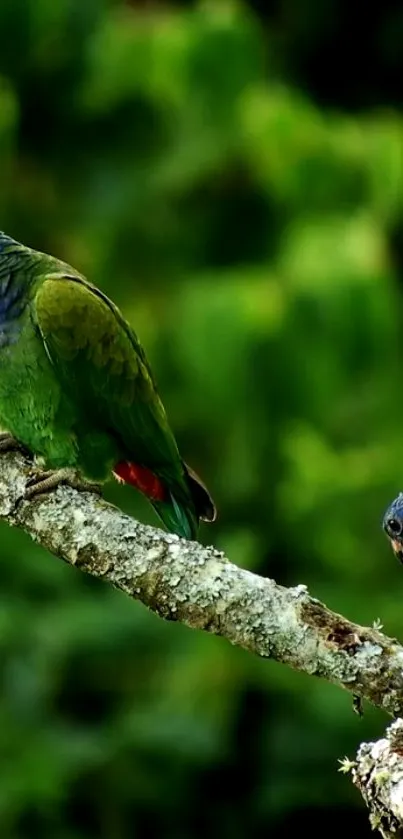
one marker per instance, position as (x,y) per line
(393,525)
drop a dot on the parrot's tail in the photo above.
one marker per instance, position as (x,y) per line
(183,518)
(180,515)
(177,517)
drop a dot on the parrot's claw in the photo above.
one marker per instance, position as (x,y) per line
(357,705)
(45,481)
(10,444)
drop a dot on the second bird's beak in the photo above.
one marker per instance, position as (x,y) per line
(397,549)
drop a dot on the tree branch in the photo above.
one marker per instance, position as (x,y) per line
(378,774)
(199,587)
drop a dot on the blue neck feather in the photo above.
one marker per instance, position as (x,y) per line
(12,292)
(6,242)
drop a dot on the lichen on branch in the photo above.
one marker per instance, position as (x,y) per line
(200,587)
(378,773)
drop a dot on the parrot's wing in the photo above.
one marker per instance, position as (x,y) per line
(101,361)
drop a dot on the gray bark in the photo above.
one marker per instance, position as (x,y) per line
(200,587)
(378,774)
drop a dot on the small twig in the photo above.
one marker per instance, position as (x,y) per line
(378,774)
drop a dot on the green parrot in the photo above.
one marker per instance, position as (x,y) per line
(77,391)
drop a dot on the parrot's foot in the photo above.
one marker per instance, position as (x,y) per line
(10,444)
(45,481)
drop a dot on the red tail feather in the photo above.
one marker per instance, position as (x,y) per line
(141,478)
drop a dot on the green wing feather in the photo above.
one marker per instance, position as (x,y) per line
(101,360)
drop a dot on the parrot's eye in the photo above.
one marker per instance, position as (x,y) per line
(394,527)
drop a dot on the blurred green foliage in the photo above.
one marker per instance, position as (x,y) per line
(251,234)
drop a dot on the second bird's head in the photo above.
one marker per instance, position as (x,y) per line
(393,525)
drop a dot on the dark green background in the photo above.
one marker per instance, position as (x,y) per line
(232,175)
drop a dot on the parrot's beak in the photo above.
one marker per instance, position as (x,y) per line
(397,548)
